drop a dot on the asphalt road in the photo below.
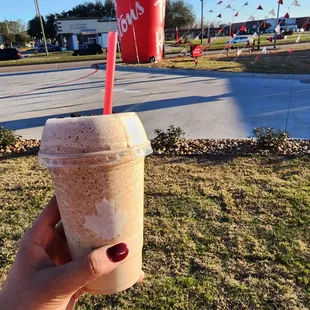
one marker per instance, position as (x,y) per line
(206,106)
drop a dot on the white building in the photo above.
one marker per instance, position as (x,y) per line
(84,30)
(286,24)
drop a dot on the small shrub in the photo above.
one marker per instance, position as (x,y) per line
(7,137)
(269,138)
(167,139)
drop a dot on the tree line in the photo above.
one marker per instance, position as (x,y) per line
(178,14)
(14,31)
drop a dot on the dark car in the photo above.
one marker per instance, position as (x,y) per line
(90,49)
(50,48)
(10,54)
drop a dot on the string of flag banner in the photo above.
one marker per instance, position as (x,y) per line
(225,26)
(295,3)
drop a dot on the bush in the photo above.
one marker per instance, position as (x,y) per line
(7,137)
(269,138)
(167,139)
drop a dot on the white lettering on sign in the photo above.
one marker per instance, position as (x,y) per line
(159,42)
(134,14)
(162,8)
(160,35)
(78,26)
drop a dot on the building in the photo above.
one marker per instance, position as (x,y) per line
(73,32)
(286,24)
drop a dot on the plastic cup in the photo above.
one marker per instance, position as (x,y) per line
(97,168)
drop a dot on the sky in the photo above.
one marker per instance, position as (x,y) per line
(25,9)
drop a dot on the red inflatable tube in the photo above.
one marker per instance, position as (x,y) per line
(141,29)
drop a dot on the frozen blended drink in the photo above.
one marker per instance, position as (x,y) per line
(97,169)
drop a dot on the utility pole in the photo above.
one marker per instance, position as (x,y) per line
(258,34)
(201,22)
(275,35)
(42,26)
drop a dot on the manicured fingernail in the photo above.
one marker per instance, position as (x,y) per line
(117,252)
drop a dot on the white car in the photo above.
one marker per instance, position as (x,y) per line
(240,39)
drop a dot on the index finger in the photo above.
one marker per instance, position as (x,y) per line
(50,216)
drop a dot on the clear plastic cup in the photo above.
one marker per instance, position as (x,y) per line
(97,168)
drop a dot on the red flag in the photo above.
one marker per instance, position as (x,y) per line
(264,24)
(287,15)
(290,51)
(257,57)
(219,16)
(280,1)
(228,46)
(237,14)
(220,2)
(305,25)
(260,7)
(242,28)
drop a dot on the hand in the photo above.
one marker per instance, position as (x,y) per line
(43,277)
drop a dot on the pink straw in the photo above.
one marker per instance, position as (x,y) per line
(110,72)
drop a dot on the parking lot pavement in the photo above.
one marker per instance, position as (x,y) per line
(203,106)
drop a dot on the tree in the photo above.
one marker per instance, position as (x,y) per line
(50,29)
(110,8)
(89,9)
(17,27)
(179,14)
(22,37)
(34,28)
(12,31)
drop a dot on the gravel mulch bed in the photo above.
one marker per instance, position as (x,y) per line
(225,147)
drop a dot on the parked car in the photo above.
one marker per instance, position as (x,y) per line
(240,40)
(90,49)
(10,54)
(287,33)
(50,48)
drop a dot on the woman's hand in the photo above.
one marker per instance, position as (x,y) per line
(43,277)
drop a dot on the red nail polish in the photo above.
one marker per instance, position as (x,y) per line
(117,252)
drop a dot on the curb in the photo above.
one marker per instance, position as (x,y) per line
(205,73)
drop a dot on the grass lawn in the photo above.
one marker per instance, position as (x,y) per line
(55,57)
(274,62)
(230,233)
(219,43)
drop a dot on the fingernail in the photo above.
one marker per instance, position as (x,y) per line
(117,252)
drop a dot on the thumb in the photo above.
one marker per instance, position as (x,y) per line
(78,273)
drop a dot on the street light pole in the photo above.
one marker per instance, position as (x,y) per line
(201,22)
(42,26)
(275,35)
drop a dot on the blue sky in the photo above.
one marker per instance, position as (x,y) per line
(25,8)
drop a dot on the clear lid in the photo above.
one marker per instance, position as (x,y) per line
(92,159)
(96,140)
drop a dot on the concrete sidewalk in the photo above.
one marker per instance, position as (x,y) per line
(203,104)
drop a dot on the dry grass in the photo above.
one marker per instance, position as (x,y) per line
(228,233)
(274,62)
